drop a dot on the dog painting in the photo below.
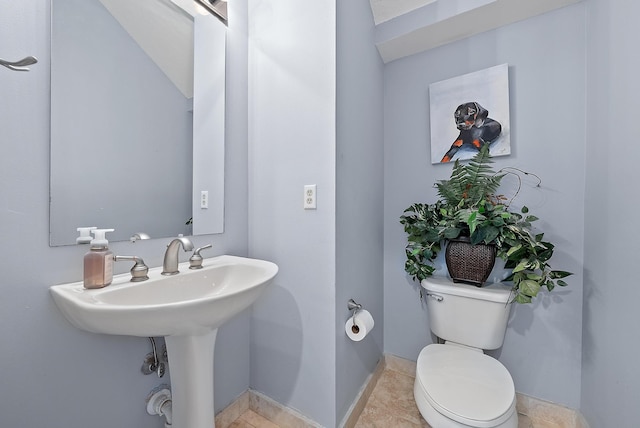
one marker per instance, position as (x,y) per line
(476,129)
(468,112)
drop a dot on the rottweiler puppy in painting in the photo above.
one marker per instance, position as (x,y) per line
(476,128)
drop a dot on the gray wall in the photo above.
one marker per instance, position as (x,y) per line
(359,199)
(301,134)
(292,142)
(546,57)
(610,377)
(54,375)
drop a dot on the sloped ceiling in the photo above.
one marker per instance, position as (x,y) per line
(384,10)
(164,30)
(407,27)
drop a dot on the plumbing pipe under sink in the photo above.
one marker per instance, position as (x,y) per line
(159,403)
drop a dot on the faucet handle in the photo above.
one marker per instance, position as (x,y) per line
(139,237)
(139,270)
(195,261)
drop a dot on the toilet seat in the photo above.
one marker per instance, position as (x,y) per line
(465,385)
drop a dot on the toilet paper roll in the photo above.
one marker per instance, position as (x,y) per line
(358,329)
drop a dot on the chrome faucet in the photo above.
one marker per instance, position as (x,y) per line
(170,265)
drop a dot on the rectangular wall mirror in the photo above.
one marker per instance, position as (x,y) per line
(136,139)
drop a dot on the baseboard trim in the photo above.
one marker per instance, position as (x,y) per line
(356,408)
(277,413)
(265,407)
(233,411)
(539,412)
(548,414)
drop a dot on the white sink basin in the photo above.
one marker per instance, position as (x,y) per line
(186,308)
(189,303)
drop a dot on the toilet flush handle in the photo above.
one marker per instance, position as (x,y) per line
(437,297)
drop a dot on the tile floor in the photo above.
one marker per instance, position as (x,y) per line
(251,419)
(391,405)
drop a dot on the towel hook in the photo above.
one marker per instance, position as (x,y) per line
(20,65)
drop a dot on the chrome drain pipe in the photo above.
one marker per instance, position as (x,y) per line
(159,403)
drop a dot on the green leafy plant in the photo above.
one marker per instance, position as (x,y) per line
(469,206)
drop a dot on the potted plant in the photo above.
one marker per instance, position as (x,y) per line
(469,208)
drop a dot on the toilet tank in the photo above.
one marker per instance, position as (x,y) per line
(466,314)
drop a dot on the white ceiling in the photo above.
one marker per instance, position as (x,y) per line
(435,23)
(384,10)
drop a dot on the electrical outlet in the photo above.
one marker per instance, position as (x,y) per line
(310,197)
(204,199)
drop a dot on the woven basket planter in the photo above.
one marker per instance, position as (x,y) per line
(468,263)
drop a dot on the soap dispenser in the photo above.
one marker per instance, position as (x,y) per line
(98,262)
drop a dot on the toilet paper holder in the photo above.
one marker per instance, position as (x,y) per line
(354,308)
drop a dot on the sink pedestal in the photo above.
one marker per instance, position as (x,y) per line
(191,369)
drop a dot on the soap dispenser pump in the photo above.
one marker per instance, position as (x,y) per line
(85,235)
(98,262)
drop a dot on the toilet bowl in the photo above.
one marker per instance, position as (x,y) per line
(459,387)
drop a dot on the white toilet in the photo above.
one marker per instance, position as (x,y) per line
(456,384)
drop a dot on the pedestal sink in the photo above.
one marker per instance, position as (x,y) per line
(186,309)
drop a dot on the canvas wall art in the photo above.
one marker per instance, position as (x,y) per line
(470,111)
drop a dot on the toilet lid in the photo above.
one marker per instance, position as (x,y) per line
(465,385)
